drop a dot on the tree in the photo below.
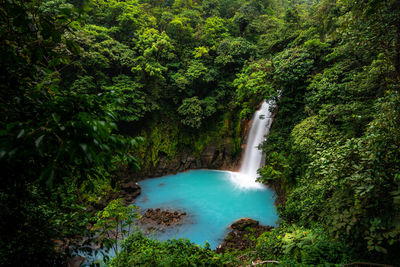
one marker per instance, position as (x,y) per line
(114,224)
(61,138)
(191,112)
(214,30)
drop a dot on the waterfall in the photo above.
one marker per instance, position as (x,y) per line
(253,157)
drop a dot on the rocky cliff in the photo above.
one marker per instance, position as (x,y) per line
(213,156)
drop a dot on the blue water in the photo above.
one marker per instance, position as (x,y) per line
(212,201)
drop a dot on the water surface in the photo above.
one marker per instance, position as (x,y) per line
(212,201)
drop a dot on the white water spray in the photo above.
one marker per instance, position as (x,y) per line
(253,157)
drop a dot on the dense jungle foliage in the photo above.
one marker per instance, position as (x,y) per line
(88,88)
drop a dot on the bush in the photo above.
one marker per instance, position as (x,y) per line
(138,250)
(311,247)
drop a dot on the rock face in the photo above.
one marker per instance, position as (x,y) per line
(217,154)
(159,220)
(213,157)
(244,234)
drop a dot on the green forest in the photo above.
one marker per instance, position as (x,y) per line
(95,91)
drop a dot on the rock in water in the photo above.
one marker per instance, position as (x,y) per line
(75,261)
(240,237)
(158,220)
(242,223)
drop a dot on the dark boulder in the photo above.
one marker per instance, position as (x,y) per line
(242,223)
(243,235)
(75,261)
(159,220)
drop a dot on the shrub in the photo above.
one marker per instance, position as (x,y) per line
(306,246)
(138,250)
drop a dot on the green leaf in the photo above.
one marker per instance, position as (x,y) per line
(20,134)
(38,141)
(84,147)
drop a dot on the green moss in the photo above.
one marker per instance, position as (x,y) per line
(169,140)
(164,140)
(237,137)
(201,143)
(161,140)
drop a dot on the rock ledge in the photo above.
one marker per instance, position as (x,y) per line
(244,234)
(159,220)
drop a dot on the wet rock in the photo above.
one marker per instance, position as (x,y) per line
(228,147)
(130,187)
(158,219)
(198,164)
(190,162)
(243,235)
(75,261)
(208,155)
(242,223)
(129,191)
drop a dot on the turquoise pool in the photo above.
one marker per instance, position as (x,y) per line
(212,200)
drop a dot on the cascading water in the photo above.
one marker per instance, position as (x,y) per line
(253,157)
